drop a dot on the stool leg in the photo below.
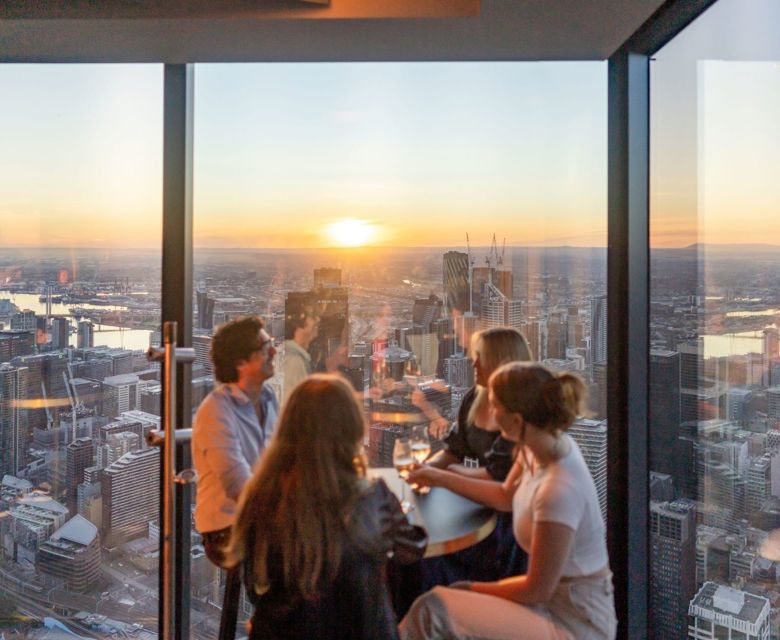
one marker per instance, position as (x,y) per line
(227,621)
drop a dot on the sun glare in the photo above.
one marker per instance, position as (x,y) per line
(351,233)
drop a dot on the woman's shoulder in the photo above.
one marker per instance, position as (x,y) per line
(373,516)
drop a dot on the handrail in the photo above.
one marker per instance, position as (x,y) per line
(156,437)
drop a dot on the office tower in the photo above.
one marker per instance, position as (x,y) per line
(718,611)
(14,424)
(455,271)
(575,328)
(464,328)
(759,474)
(664,409)
(426,311)
(72,554)
(672,567)
(79,455)
(773,405)
(117,445)
(150,397)
(598,391)
(33,518)
(125,422)
(598,330)
(497,310)
(504,281)
(591,437)
(556,336)
(24,321)
(131,496)
(356,371)
(737,404)
(46,381)
(459,370)
(202,346)
(86,335)
(425,346)
(60,333)
(205,306)
(381,439)
(327,277)
(141,423)
(119,394)
(480,278)
(14,344)
(712,554)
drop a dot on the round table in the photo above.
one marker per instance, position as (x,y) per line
(452,521)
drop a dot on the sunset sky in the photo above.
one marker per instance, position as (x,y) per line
(411,154)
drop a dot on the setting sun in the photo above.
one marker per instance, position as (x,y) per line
(351,233)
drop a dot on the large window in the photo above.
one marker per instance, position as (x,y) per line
(714,361)
(80,220)
(405,206)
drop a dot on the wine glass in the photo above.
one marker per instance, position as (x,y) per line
(403,462)
(421,449)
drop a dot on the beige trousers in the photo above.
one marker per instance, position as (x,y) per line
(580,609)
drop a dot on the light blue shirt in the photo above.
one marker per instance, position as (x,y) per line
(227,440)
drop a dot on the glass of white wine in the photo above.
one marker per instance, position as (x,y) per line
(421,449)
(404,463)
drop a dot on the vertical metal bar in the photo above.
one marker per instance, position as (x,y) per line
(177,300)
(167,557)
(628,337)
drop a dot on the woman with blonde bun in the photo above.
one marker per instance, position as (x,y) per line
(567,592)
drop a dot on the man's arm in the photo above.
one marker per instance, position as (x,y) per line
(295,370)
(217,439)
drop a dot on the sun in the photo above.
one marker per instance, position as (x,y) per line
(351,232)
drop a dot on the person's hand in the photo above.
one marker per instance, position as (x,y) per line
(439,428)
(461,584)
(425,476)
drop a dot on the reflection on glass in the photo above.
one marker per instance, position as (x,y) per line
(79,305)
(376,215)
(714,337)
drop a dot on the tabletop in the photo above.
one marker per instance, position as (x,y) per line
(452,521)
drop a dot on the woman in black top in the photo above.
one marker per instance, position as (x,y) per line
(476,448)
(475,437)
(312,534)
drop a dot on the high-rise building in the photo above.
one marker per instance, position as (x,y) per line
(24,321)
(459,370)
(14,425)
(598,330)
(14,344)
(426,311)
(758,482)
(664,409)
(205,306)
(117,445)
(672,567)
(131,496)
(79,455)
(60,333)
(499,311)
(202,346)
(455,270)
(591,437)
(85,338)
(72,554)
(119,394)
(718,611)
(32,520)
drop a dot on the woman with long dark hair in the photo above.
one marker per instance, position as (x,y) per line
(312,533)
(567,592)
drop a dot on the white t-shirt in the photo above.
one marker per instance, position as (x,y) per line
(562,492)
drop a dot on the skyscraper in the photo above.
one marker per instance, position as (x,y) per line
(60,333)
(672,567)
(598,330)
(14,426)
(591,437)
(327,277)
(455,269)
(86,335)
(79,455)
(205,310)
(664,409)
(131,496)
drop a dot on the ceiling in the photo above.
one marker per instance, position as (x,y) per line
(300,30)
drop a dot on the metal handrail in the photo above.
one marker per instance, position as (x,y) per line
(156,437)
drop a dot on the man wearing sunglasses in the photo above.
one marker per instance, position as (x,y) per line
(230,431)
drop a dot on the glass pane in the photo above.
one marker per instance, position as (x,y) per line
(405,206)
(714,325)
(80,220)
